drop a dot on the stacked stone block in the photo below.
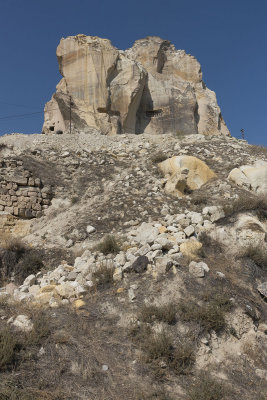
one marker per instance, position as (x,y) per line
(21,194)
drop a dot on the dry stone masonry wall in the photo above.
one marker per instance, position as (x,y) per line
(21,194)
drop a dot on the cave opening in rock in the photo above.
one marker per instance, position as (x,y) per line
(102,110)
(51,128)
(153,113)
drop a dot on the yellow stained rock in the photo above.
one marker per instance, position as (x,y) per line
(162,229)
(190,248)
(79,303)
(44,298)
(185,172)
(47,288)
(120,290)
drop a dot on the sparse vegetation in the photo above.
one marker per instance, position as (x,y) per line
(8,346)
(41,329)
(108,245)
(158,394)
(206,388)
(210,315)
(74,199)
(17,260)
(165,313)
(250,202)
(103,275)
(160,351)
(158,157)
(257,253)
(209,244)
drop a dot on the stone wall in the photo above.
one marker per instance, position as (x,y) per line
(22,194)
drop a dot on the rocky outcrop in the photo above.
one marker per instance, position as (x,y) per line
(151,88)
(185,173)
(252,177)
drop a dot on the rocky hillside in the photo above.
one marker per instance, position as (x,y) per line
(151,88)
(132,266)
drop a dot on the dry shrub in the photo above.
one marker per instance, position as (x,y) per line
(206,388)
(41,329)
(209,244)
(210,316)
(158,157)
(9,391)
(8,345)
(149,394)
(103,275)
(257,253)
(249,202)
(158,348)
(108,245)
(17,260)
(165,313)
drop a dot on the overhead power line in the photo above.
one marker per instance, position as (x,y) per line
(15,105)
(23,115)
(20,115)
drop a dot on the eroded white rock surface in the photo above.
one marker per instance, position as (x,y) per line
(151,88)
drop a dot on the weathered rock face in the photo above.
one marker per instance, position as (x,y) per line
(151,88)
(185,173)
(253,177)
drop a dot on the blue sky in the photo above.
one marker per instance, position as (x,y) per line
(227,37)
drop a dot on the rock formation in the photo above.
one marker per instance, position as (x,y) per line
(151,88)
(185,173)
(253,177)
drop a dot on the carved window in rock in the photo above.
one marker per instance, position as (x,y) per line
(103,110)
(153,113)
(51,128)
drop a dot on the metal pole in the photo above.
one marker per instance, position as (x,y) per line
(70,114)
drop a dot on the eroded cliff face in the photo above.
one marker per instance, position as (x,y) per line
(151,88)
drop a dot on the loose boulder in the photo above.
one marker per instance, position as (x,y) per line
(185,173)
(252,177)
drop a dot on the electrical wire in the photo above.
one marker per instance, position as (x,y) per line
(15,105)
(24,115)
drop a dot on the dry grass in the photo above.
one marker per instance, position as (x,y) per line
(249,202)
(103,276)
(206,388)
(10,392)
(17,260)
(160,351)
(41,329)
(165,313)
(158,157)
(8,345)
(257,253)
(149,394)
(210,315)
(108,245)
